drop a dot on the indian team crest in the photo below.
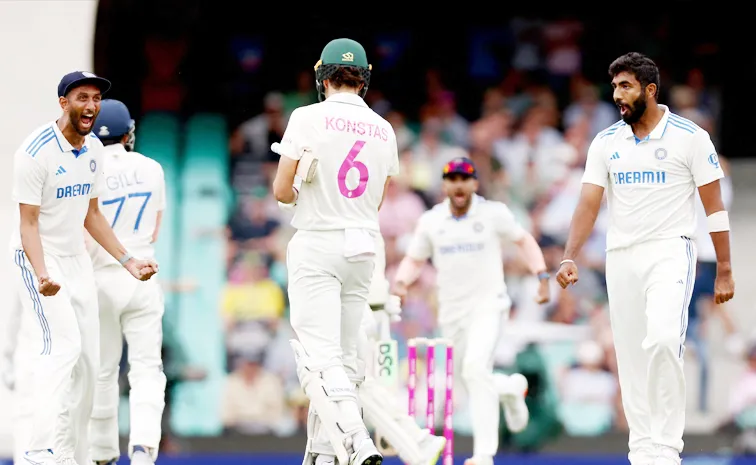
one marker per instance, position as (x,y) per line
(660,154)
(92,165)
(478,227)
(714,160)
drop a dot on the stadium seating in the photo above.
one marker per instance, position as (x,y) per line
(158,137)
(205,204)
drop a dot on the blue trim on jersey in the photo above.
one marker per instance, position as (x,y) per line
(36,302)
(41,135)
(611,129)
(58,142)
(687,295)
(40,141)
(680,126)
(684,121)
(645,139)
(80,152)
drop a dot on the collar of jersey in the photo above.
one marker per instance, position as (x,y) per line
(66,146)
(658,131)
(476,199)
(115,149)
(347,97)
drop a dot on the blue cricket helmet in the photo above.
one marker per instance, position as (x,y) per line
(113,122)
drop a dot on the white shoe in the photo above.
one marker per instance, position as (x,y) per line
(365,453)
(479,460)
(325,460)
(667,456)
(512,394)
(431,449)
(141,458)
(39,457)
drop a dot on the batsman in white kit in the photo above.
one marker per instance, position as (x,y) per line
(133,201)
(377,393)
(345,154)
(463,236)
(650,163)
(57,179)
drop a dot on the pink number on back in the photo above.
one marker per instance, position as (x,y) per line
(349,163)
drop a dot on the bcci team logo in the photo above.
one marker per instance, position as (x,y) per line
(660,154)
(348,56)
(92,165)
(714,160)
(104,131)
(88,74)
(478,227)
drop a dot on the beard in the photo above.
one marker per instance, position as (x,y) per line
(635,110)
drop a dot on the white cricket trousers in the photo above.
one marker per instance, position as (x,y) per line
(475,337)
(60,341)
(133,310)
(649,287)
(327,297)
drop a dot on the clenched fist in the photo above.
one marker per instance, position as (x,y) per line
(567,274)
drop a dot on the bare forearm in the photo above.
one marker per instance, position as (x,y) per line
(98,227)
(721,242)
(32,244)
(580,229)
(532,254)
(408,271)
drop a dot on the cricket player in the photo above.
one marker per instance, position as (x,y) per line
(463,237)
(57,179)
(133,201)
(650,163)
(344,153)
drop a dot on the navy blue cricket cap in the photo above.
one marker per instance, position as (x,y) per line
(461,165)
(79,78)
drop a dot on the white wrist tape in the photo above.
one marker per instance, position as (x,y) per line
(718,221)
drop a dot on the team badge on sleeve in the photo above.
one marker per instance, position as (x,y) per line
(714,160)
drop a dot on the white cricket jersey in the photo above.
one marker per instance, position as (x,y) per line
(48,172)
(466,253)
(132,194)
(650,183)
(356,150)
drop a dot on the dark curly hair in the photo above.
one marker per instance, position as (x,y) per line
(642,67)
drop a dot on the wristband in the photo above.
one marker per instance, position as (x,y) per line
(566,261)
(718,221)
(126,257)
(543,275)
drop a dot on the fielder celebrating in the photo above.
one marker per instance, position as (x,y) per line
(462,236)
(650,163)
(133,201)
(344,153)
(57,178)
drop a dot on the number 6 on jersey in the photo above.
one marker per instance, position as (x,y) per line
(349,163)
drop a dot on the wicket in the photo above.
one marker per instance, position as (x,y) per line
(431,343)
